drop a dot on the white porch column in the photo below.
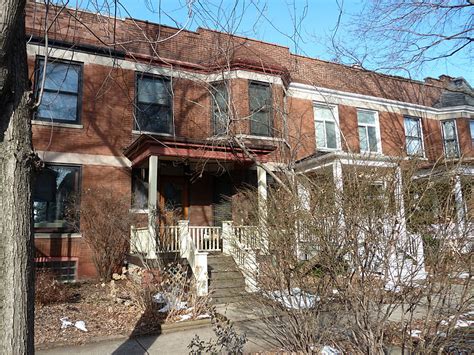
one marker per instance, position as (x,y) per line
(459,200)
(262,193)
(262,206)
(400,203)
(338,192)
(304,198)
(152,196)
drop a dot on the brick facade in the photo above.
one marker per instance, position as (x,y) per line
(106,126)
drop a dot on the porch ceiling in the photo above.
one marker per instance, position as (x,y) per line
(147,145)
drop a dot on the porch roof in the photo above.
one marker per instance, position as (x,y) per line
(147,145)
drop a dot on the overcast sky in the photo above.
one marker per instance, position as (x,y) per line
(272,21)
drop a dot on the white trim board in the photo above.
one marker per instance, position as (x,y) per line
(84,159)
(89,58)
(334,97)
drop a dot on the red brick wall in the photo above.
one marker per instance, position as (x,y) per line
(465,138)
(348,125)
(301,127)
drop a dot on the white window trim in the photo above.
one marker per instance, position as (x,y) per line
(377,132)
(335,113)
(423,153)
(57,124)
(457,138)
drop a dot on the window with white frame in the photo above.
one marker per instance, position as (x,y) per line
(450,139)
(60,101)
(326,125)
(369,133)
(414,136)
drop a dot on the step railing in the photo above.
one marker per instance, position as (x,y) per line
(235,243)
(196,258)
(247,236)
(206,238)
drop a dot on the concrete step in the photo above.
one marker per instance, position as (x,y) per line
(229,292)
(232,283)
(230,299)
(224,275)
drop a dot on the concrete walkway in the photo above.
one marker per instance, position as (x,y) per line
(176,342)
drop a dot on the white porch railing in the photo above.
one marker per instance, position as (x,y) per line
(169,238)
(206,238)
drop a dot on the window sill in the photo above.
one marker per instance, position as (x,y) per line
(57,124)
(51,235)
(153,133)
(267,138)
(138,210)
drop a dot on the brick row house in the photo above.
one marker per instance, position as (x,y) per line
(145,109)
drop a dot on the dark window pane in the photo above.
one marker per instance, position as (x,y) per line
(364,146)
(56,189)
(56,105)
(259,124)
(331,135)
(61,91)
(260,108)
(220,116)
(60,76)
(154,91)
(372,139)
(154,118)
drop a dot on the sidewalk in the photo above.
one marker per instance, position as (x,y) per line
(172,343)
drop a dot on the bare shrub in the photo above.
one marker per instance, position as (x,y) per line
(48,289)
(341,264)
(228,341)
(103,217)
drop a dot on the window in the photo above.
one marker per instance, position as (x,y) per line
(61,92)
(413,134)
(369,134)
(471,128)
(153,109)
(64,270)
(220,106)
(56,190)
(140,188)
(326,127)
(450,139)
(260,98)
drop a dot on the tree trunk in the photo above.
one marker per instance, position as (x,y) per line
(16,242)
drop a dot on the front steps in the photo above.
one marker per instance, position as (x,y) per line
(226,282)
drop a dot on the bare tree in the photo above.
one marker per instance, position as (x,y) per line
(16,245)
(405,35)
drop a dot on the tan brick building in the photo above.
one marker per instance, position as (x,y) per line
(119,103)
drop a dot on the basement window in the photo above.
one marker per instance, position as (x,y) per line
(153,104)
(60,101)
(64,270)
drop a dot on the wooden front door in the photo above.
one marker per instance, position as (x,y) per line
(173,200)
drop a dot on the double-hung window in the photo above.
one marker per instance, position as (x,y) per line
(414,136)
(326,125)
(220,108)
(60,100)
(56,192)
(450,139)
(369,134)
(154,104)
(260,98)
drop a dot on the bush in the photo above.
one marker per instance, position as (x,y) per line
(104,219)
(48,289)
